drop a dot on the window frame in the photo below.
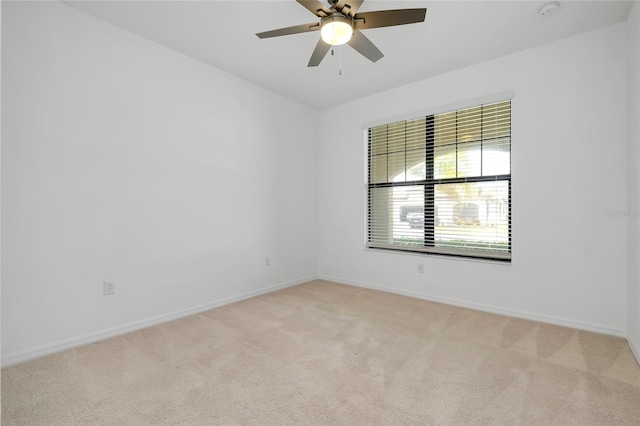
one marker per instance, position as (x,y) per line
(429,184)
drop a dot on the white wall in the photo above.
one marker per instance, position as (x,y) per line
(569,165)
(125,160)
(1,7)
(633,158)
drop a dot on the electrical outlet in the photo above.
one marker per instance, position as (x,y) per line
(109,288)
(420,268)
(267,261)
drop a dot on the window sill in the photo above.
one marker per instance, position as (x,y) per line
(441,256)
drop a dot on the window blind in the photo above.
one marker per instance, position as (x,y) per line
(442,183)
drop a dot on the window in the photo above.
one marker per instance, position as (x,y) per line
(442,183)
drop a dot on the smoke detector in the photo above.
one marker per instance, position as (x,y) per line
(549,8)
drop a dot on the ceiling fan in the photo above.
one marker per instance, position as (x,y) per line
(340,23)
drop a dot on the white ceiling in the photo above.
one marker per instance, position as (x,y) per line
(455,34)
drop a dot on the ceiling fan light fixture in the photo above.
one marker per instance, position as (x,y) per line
(336,30)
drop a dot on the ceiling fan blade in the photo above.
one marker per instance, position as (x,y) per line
(365,46)
(297,29)
(315,7)
(348,7)
(388,18)
(318,53)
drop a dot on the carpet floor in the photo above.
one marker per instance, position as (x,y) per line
(322,353)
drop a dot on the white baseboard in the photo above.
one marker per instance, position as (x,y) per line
(580,325)
(37,352)
(635,348)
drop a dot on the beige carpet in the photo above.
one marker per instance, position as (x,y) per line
(323,353)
